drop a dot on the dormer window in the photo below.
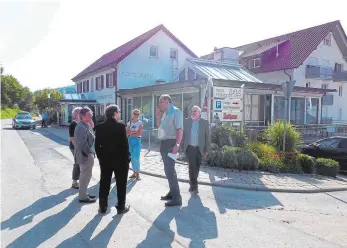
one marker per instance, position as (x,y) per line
(254,63)
(327,40)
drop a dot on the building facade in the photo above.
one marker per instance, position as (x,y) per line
(152,57)
(315,58)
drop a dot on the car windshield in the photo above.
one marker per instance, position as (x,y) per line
(22,117)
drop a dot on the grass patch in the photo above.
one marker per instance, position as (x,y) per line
(8,113)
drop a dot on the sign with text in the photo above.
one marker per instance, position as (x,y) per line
(229,105)
(137,74)
(226,92)
(227,116)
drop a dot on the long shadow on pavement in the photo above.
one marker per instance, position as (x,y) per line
(51,136)
(26,215)
(242,199)
(48,227)
(202,225)
(103,238)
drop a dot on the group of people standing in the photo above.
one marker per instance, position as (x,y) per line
(116,145)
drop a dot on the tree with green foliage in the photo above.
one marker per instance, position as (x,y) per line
(12,92)
(47,99)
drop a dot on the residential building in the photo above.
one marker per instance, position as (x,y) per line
(315,57)
(152,57)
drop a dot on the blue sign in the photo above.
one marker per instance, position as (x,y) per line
(218,104)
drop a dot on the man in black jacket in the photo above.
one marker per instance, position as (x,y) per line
(112,150)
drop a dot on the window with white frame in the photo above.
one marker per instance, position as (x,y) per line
(308,85)
(92,84)
(338,67)
(340,114)
(327,40)
(153,51)
(340,90)
(109,80)
(254,63)
(173,54)
(324,86)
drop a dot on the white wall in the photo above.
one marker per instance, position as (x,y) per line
(333,55)
(139,69)
(275,77)
(103,96)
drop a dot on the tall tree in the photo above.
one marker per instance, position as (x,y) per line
(47,99)
(12,92)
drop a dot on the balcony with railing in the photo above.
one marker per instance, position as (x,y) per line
(319,72)
(340,76)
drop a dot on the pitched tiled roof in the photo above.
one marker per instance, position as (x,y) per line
(120,53)
(295,47)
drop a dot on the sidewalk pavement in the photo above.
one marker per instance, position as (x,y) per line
(151,164)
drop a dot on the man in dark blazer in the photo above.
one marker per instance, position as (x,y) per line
(196,143)
(112,150)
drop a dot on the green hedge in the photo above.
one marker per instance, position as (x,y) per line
(327,167)
(233,158)
(307,163)
(8,113)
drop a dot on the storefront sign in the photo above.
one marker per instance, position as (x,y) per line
(137,74)
(226,92)
(227,116)
(229,105)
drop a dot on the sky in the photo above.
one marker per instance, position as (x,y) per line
(46,43)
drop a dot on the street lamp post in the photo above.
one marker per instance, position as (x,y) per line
(287,90)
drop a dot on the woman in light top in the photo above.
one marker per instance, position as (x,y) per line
(134,132)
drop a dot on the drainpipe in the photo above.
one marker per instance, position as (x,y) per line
(286,104)
(116,86)
(290,77)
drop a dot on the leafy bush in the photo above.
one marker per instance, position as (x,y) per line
(307,163)
(327,167)
(261,149)
(214,147)
(291,162)
(271,165)
(226,135)
(274,136)
(239,158)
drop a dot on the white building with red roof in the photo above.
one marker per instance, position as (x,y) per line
(315,57)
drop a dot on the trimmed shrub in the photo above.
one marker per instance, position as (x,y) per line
(273,135)
(271,165)
(291,162)
(327,167)
(307,163)
(226,136)
(239,158)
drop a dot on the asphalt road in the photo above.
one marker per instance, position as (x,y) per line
(40,210)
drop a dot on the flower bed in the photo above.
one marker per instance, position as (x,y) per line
(230,149)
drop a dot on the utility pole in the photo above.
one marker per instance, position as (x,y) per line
(287,90)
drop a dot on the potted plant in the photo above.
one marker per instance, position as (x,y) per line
(327,167)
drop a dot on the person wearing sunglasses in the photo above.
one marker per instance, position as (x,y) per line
(134,132)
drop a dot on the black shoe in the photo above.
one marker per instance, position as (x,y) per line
(92,196)
(166,197)
(124,210)
(173,203)
(102,210)
(88,200)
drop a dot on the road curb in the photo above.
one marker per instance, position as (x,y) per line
(248,187)
(255,188)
